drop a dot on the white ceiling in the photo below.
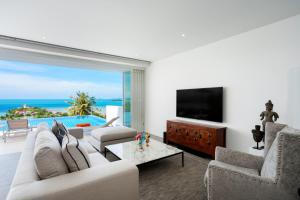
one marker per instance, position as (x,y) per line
(144,29)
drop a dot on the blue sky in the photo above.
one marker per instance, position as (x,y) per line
(19,80)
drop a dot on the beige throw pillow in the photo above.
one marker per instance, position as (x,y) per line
(75,154)
(48,158)
(41,127)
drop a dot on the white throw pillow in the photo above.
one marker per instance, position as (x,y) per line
(75,154)
(48,158)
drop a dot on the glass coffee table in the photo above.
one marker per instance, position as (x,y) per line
(155,151)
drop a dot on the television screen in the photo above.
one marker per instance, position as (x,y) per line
(202,103)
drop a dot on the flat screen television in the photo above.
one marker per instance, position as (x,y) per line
(202,103)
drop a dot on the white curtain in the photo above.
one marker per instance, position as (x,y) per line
(137,99)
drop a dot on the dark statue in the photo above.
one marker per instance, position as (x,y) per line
(258,135)
(268,115)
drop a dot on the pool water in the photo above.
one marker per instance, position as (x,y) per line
(69,121)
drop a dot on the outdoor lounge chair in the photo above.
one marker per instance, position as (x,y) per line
(19,125)
(110,122)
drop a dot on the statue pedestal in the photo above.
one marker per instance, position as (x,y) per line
(256,152)
(257,147)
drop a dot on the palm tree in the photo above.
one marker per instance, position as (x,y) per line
(81,104)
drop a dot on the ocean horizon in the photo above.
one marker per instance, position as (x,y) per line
(58,105)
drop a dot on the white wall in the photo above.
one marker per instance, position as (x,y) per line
(112,112)
(253,67)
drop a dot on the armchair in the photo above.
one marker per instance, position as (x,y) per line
(241,176)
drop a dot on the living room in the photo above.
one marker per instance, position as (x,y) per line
(212,92)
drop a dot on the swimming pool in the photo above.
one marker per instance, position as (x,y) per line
(69,121)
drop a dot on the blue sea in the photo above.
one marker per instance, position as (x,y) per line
(50,104)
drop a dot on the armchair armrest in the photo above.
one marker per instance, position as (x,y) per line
(228,182)
(76,132)
(115,180)
(239,158)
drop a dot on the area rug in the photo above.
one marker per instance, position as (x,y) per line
(161,180)
(167,180)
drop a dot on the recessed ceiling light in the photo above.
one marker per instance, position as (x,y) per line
(182,35)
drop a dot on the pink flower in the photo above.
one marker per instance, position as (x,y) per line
(138,136)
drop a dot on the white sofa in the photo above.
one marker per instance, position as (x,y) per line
(104,180)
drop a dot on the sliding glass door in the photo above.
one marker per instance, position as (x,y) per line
(127,98)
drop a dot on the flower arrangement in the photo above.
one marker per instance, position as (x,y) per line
(140,137)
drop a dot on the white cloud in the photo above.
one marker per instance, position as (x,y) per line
(27,86)
(18,67)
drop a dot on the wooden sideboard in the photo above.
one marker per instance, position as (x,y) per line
(198,137)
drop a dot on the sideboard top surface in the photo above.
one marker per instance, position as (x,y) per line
(197,124)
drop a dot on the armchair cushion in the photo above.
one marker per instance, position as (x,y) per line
(232,167)
(272,163)
(239,158)
(228,183)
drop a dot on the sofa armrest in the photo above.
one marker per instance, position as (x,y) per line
(76,132)
(238,158)
(115,180)
(228,183)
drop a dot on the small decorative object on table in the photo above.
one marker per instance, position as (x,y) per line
(268,115)
(147,139)
(258,135)
(140,137)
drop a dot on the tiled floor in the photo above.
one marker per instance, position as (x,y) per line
(14,143)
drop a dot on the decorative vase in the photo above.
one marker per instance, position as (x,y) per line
(147,139)
(258,135)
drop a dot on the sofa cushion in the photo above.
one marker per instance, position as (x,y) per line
(89,148)
(47,156)
(59,131)
(75,154)
(113,133)
(97,159)
(41,127)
